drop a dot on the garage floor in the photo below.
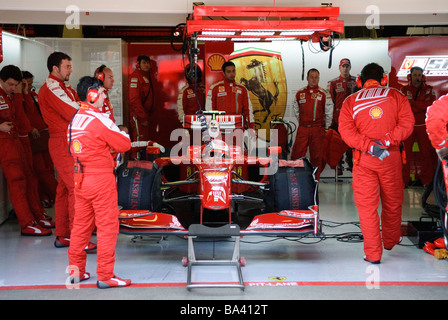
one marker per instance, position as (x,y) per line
(276,269)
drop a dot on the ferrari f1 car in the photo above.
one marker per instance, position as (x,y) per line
(216,183)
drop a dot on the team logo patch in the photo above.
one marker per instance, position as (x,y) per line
(376,112)
(77,146)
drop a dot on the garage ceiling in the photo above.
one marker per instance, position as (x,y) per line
(152,13)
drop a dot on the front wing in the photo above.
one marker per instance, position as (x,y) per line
(286,223)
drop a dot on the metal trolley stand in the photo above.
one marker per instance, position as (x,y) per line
(226,231)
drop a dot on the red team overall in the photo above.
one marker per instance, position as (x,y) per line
(314,109)
(42,162)
(420,96)
(94,141)
(140,99)
(191,97)
(12,163)
(106,75)
(436,121)
(231,97)
(340,88)
(58,103)
(374,121)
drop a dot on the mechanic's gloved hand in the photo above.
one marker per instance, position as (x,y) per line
(386,140)
(162,148)
(377,149)
(138,144)
(442,153)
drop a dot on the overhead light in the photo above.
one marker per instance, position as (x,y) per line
(218,33)
(280,39)
(200,38)
(257,33)
(246,39)
(264,23)
(297,32)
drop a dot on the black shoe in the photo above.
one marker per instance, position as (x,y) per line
(372,262)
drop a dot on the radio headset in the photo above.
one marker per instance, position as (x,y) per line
(383,81)
(100,73)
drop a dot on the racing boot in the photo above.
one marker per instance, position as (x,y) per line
(35,229)
(62,242)
(46,223)
(83,277)
(113,283)
(399,241)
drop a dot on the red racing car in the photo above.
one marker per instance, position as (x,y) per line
(215,183)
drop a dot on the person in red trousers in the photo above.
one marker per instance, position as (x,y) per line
(42,162)
(374,121)
(140,99)
(15,169)
(94,141)
(58,102)
(314,109)
(420,96)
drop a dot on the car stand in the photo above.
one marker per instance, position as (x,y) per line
(196,231)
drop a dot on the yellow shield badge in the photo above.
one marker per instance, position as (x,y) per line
(262,73)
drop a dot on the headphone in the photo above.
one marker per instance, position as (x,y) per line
(92,95)
(383,82)
(412,70)
(100,74)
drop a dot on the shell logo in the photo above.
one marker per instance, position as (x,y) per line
(376,112)
(215,62)
(77,147)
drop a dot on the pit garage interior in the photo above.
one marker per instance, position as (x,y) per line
(329,266)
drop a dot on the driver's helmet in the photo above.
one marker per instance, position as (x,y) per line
(217,149)
(213,129)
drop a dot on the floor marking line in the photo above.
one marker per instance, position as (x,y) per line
(247,284)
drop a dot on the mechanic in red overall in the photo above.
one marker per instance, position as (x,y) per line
(420,96)
(436,121)
(340,88)
(94,141)
(314,108)
(231,97)
(374,121)
(58,103)
(106,75)
(25,131)
(12,153)
(140,99)
(191,97)
(42,163)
